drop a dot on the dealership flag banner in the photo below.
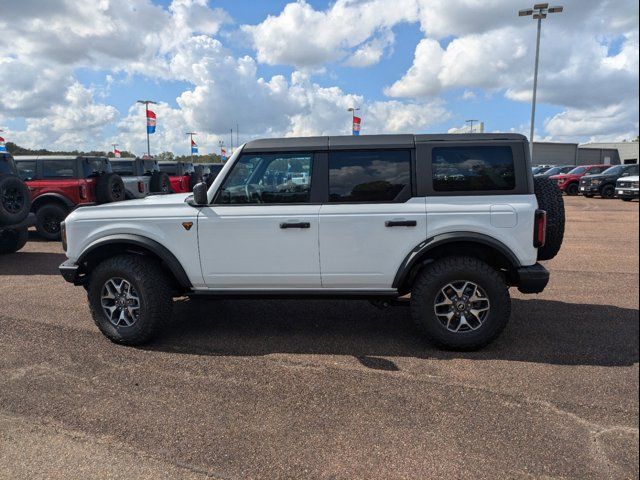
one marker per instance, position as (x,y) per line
(3,148)
(223,154)
(116,153)
(356,125)
(151,121)
(194,147)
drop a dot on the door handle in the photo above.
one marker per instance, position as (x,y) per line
(400,223)
(295,225)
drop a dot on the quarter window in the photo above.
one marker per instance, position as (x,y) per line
(369,176)
(468,169)
(123,167)
(58,168)
(269,178)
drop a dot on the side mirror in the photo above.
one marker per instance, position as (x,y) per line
(200,194)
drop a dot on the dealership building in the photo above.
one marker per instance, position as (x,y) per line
(554,153)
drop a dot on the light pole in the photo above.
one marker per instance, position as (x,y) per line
(353,111)
(191,134)
(470,122)
(146,111)
(221,145)
(539,12)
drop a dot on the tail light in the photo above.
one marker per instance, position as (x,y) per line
(540,229)
(141,187)
(83,191)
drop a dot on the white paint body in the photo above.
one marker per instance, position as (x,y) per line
(346,247)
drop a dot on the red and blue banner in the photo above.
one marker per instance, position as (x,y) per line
(3,148)
(151,122)
(194,147)
(356,125)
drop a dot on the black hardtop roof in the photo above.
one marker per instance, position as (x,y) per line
(60,157)
(370,141)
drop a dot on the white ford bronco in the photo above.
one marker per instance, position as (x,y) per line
(446,223)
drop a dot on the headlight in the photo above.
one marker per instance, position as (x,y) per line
(63,235)
(596,182)
(634,184)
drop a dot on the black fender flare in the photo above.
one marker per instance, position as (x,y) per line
(419,251)
(146,243)
(56,197)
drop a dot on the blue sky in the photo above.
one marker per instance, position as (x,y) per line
(291,67)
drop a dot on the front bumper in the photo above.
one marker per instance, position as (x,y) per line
(626,193)
(589,189)
(532,279)
(71,272)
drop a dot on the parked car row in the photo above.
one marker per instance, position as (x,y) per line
(41,191)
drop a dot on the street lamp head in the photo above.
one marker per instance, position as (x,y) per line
(540,16)
(540,6)
(556,9)
(524,13)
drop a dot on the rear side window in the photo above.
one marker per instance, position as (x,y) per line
(123,167)
(94,167)
(26,169)
(58,169)
(596,170)
(369,176)
(469,169)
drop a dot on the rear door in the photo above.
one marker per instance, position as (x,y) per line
(58,176)
(371,220)
(261,232)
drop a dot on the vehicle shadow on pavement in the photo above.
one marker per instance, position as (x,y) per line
(31,263)
(540,331)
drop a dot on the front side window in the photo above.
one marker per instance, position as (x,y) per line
(473,169)
(268,178)
(58,168)
(26,169)
(596,170)
(369,176)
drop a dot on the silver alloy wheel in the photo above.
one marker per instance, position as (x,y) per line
(462,306)
(120,302)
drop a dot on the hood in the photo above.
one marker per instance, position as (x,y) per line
(153,206)
(635,178)
(597,176)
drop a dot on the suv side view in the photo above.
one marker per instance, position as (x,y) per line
(452,220)
(141,176)
(59,184)
(181,174)
(15,203)
(604,184)
(569,182)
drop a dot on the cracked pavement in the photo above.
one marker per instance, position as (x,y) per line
(329,389)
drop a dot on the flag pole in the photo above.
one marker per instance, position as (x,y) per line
(146,107)
(191,134)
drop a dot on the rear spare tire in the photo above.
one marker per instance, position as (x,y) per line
(160,182)
(15,200)
(48,219)
(110,188)
(550,200)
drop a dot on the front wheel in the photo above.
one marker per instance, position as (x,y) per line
(608,192)
(461,303)
(13,240)
(130,299)
(572,189)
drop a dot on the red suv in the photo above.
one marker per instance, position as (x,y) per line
(181,174)
(568,182)
(58,184)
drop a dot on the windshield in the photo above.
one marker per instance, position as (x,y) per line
(536,170)
(617,170)
(578,170)
(553,171)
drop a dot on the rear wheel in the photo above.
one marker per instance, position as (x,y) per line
(626,199)
(588,195)
(460,303)
(572,189)
(13,240)
(48,219)
(608,191)
(130,299)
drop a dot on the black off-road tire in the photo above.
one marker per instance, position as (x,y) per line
(160,183)
(550,200)
(436,276)
(627,199)
(572,189)
(110,188)
(13,240)
(608,192)
(194,179)
(48,219)
(153,288)
(15,200)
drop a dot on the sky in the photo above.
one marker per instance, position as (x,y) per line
(72,70)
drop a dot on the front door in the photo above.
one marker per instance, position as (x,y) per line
(261,232)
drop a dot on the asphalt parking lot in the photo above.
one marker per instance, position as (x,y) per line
(329,389)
